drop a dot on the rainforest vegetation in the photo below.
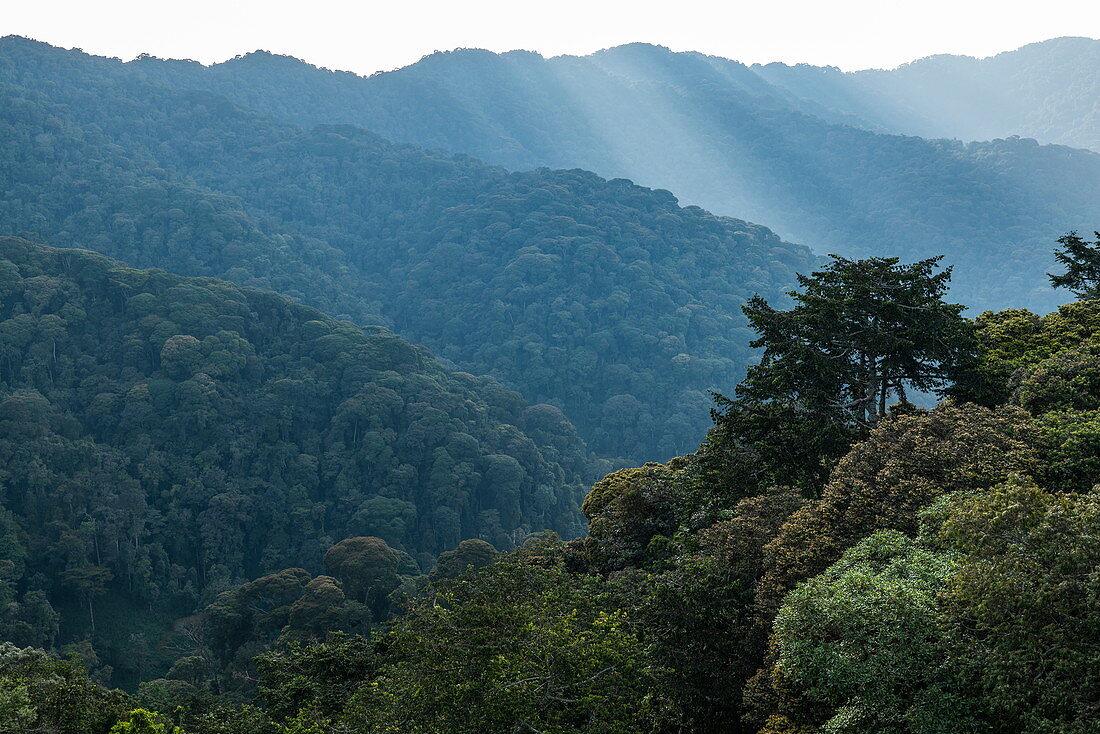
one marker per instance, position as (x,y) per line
(825,158)
(831,558)
(604,299)
(165,439)
(652,471)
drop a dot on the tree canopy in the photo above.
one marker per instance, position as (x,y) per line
(225,512)
(1081,259)
(165,439)
(608,301)
(861,334)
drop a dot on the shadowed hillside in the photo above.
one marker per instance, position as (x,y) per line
(603,298)
(800,149)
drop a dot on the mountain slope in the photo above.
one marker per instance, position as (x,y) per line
(603,298)
(164,438)
(794,147)
(1049,91)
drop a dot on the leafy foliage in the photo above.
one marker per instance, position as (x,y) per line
(469,555)
(520,646)
(1081,259)
(1047,365)
(1024,612)
(858,643)
(141,721)
(861,333)
(952,631)
(906,463)
(164,439)
(39,692)
(320,677)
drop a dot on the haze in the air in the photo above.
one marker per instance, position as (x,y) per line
(370,36)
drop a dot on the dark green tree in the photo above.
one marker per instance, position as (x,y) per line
(521,645)
(41,693)
(470,555)
(1023,615)
(1081,260)
(89,582)
(321,677)
(141,721)
(861,333)
(368,568)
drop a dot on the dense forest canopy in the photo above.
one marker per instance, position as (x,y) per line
(235,498)
(166,438)
(939,577)
(607,300)
(803,150)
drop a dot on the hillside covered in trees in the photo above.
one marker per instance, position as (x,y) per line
(605,299)
(812,153)
(1045,90)
(164,439)
(906,571)
(236,497)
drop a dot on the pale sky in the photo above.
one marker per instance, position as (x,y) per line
(372,36)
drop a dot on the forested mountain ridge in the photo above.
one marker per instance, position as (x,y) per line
(1046,90)
(798,148)
(824,562)
(606,299)
(165,438)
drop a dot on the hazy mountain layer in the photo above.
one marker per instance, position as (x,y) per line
(1049,91)
(793,147)
(603,298)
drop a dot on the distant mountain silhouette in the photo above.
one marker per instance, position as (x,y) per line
(812,152)
(605,299)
